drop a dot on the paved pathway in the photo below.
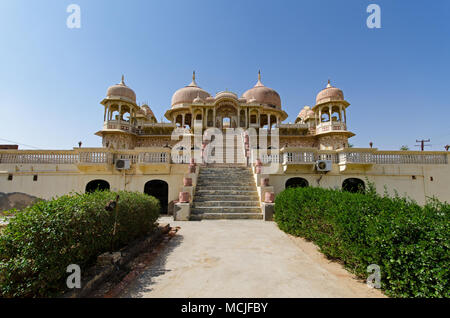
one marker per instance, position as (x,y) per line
(242,258)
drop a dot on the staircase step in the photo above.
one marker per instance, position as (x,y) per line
(220,216)
(226,209)
(217,195)
(212,203)
(224,182)
(226,188)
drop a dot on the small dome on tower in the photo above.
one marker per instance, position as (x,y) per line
(262,94)
(147,111)
(121,91)
(188,93)
(305,114)
(330,93)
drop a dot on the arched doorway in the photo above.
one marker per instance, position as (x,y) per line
(353,185)
(296,182)
(95,185)
(226,122)
(160,190)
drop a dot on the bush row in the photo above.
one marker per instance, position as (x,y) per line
(42,240)
(409,242)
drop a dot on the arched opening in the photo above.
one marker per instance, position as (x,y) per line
(296,183)
(226,122)
(209,118)
(263,121)
(115,115)
(336,115)
(273,121)
(126,116)
(94,185)
(160,190)
(179,120)
(242,118)
(325,117)
(188,120)
(353,185)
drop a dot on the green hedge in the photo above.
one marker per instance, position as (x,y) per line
(410,243)
(42,240)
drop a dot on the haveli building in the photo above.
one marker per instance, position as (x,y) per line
(223,156)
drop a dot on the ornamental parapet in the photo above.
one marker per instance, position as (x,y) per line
(93,156)
(348,156)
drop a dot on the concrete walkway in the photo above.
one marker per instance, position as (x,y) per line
(242,258)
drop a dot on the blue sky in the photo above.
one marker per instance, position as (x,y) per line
(396,78)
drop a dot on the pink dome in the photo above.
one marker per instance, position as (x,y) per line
(330,93)
(188,93)
(262,94)
(305,113)
(121,91)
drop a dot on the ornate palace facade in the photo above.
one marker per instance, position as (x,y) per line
(168,159)
(128,126)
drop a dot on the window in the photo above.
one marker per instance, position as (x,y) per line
(10,177)
(35,177)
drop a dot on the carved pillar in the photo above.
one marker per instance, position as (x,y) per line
(246,118)
(238,124)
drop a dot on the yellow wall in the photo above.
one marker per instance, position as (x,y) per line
(56,180)
(394,177)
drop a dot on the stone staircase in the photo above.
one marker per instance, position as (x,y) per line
(225,191)
(231,151)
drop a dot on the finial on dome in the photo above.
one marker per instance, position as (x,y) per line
(329,84)
(193,83)
(259,79)
(123,80)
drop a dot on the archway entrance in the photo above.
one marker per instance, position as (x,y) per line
(296,182)
(160,190)
(226,122)
(95,185)
(353,185)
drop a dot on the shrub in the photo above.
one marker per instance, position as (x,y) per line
(42,240)
(410,243)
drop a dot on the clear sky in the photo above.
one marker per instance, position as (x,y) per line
(396,78)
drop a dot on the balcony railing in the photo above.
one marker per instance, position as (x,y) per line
(38,157)
(164,155)
(140,130)
(89,156)
(330,126)
(347,156)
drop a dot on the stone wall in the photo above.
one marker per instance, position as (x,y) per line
(333,142)
(302,142)
(119,141)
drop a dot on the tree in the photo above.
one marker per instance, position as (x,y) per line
(404,148)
